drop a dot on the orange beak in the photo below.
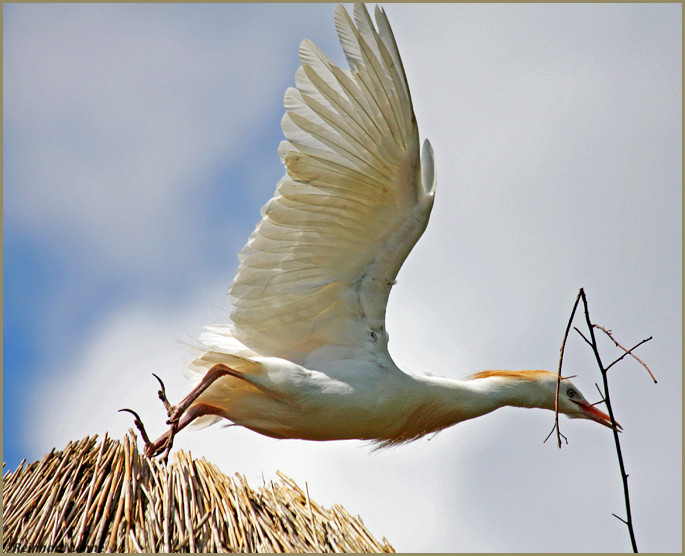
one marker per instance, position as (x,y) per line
(591,412)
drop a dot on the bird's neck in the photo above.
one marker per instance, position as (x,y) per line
(459,400)
(437,403)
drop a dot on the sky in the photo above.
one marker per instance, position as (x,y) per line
(141,140)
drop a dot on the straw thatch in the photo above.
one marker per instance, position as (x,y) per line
(107,497)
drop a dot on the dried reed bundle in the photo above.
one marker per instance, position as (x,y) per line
(108,497)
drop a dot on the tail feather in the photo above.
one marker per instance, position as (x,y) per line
(222,348)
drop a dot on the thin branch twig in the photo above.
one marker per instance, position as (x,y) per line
(561,360)
(627,351)
(588,342)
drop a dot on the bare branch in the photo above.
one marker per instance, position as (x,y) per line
(607,401)
(583,336)
(620,519)
(627,351)
(600,393)
(591,340)
(561,360)
(559,434)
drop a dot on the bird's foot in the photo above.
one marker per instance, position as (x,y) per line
(181,414)
(139,425)
(173,412)
(161,393)
(163,443)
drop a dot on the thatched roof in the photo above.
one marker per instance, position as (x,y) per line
(108,497)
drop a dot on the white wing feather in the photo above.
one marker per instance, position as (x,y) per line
(315,275)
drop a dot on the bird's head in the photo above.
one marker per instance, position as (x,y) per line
(538,389)
(573,404)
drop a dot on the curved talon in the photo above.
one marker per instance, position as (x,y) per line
(161,384)
(161,394)
(152,449)
(139,425)
(131,412)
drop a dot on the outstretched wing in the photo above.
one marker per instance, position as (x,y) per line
(315,275)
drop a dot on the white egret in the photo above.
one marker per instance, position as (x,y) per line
(306,354)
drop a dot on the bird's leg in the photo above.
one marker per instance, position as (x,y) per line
(216,372)
(183,413)
(166,441)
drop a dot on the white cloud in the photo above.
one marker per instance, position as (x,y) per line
(121,113)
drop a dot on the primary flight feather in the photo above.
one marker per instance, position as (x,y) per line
(306,352)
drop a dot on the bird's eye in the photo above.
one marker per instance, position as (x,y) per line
(570,392)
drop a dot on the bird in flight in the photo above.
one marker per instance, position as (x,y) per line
(306,353)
